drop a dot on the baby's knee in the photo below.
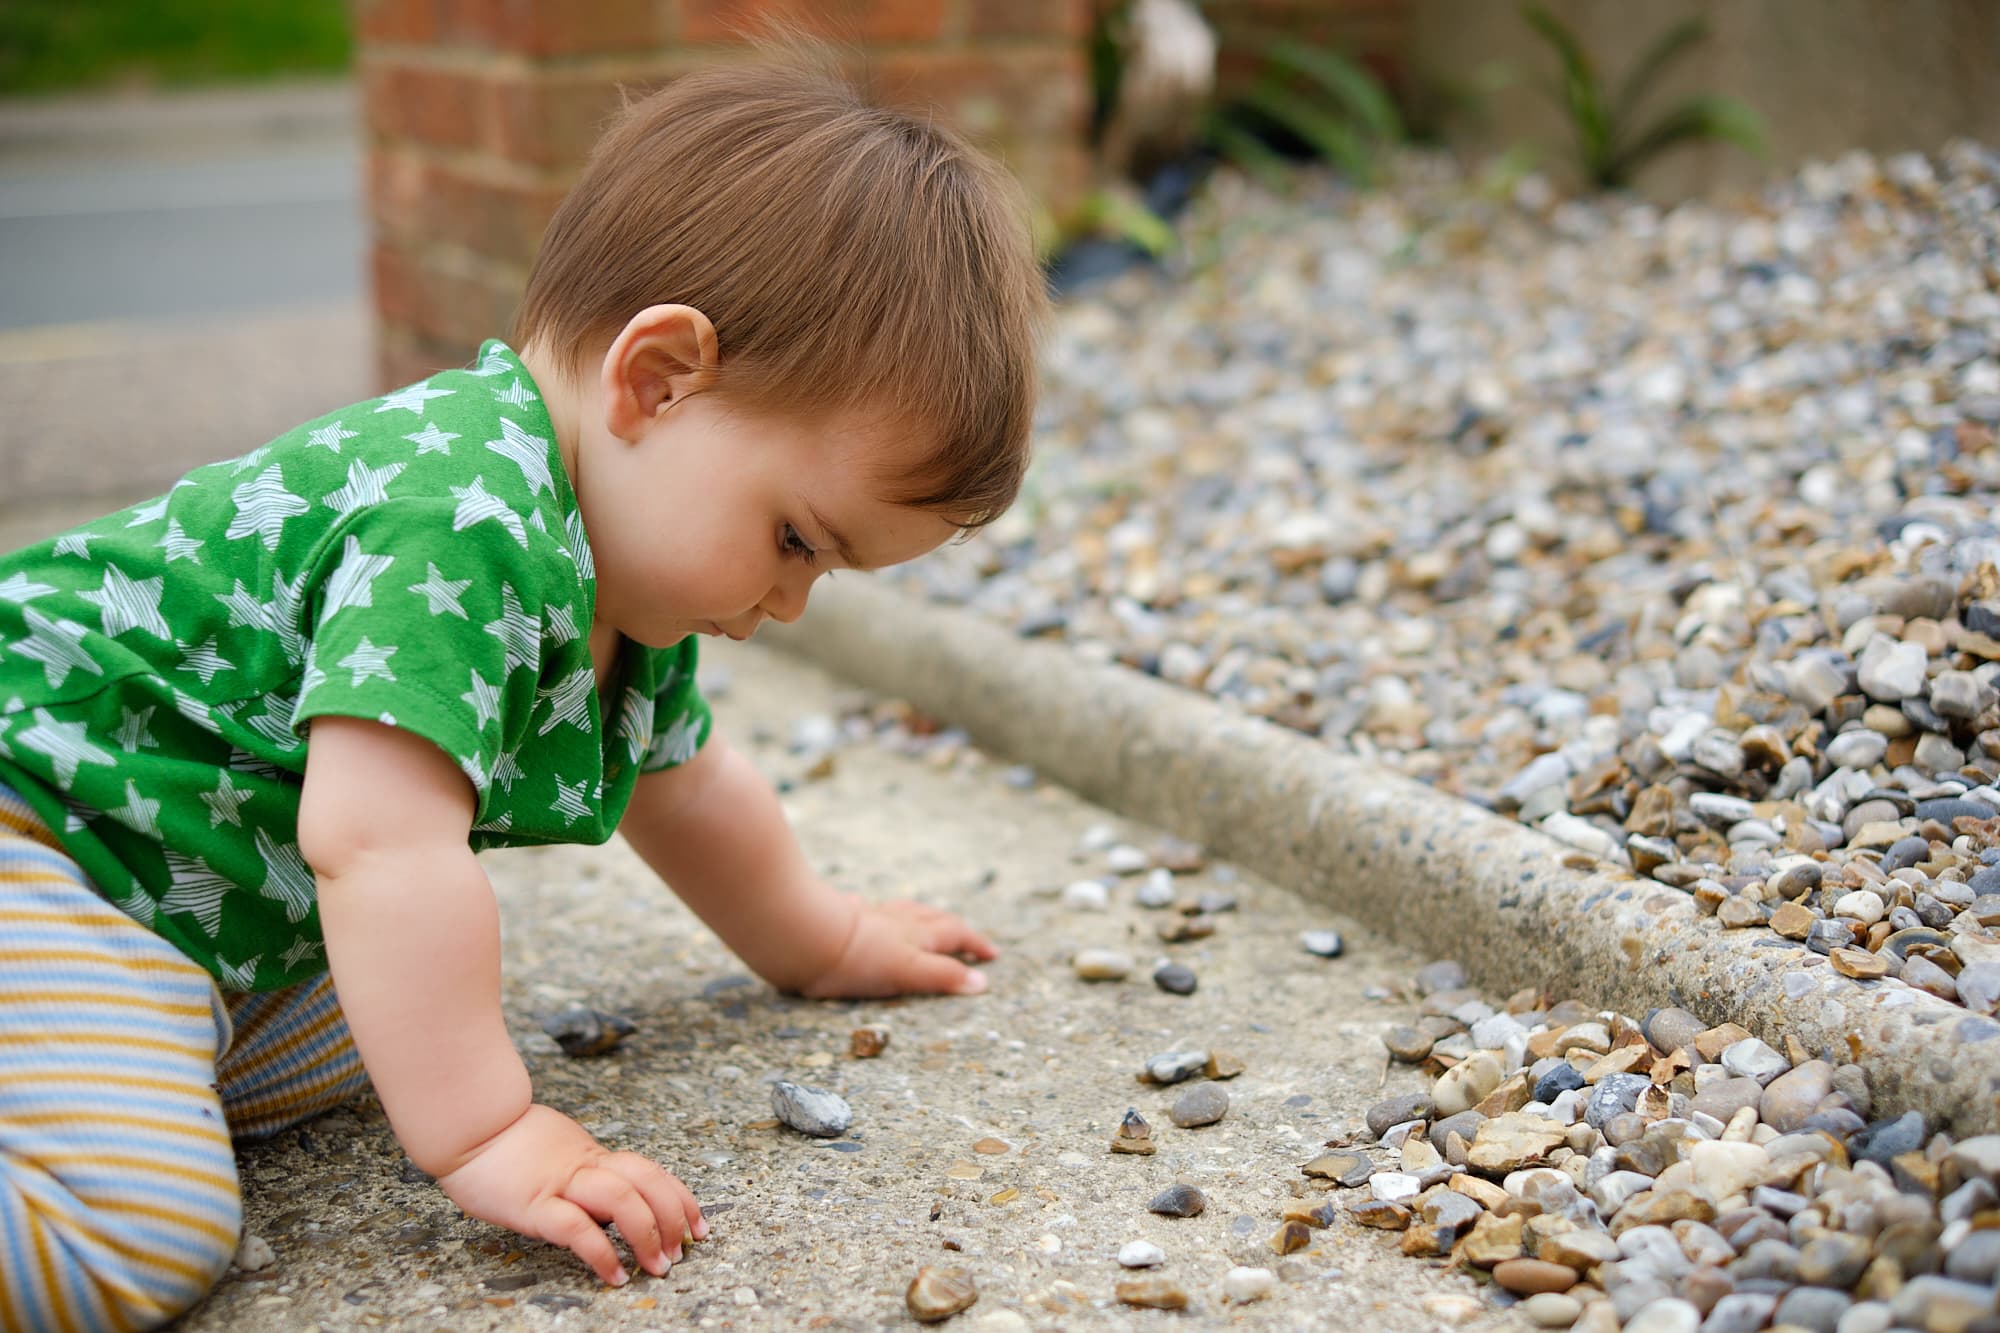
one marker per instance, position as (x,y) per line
(71,1259)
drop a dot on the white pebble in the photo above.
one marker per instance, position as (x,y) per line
(1086,895)
(1141,1254)
(1125,859)
(253,1252)
(1102,964)
(1157,890)
(1244,1285)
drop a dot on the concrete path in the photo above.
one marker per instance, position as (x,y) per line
(815,1235)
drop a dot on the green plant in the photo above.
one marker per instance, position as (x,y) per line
(1610,145)
(1322,99)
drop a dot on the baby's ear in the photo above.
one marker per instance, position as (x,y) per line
(663,354)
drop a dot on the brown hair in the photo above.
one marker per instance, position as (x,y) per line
(848,256)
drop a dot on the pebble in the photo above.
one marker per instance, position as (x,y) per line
(1528,1277)
(1665,1316)
(1174,1067)
(1551,1310)
(253,1253)
(1399,1110)
(813,1111)
(1141,1254)
(939,1293)
(1086,895)
(583,1032)
(1102,965)
(1245,1285)
(1203,1104)
(1153,1292)
(1178,1201)
(1175,978)
(1323,943)
(1156,890)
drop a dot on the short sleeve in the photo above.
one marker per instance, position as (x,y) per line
(430,630)
(681,720)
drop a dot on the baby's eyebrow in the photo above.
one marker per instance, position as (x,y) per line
(840,543)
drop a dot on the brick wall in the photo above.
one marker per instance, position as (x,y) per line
(480,112)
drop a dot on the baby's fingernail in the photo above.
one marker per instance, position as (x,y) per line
(975,983)
(620,1278)
(701,1231)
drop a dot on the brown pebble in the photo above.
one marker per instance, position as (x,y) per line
(1793,921)
(1313,1215)
(867,1043)
(939,1293)
(1134,1135)
(1222,1065)
(1295,1236)
(1859,964)
(1527,1277)
(1152,1291)
(1180,929)
(992,1147)
(1374,1213)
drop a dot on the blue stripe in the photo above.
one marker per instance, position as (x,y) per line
(173,990)
(30,1145)
(20,854)
(214,1202)
(166,1066)
(142,1233)
(88,1101)
(39,1314)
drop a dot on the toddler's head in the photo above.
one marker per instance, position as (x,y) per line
(794,330)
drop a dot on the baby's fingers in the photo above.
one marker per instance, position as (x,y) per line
(954,935)
(560,1222)
(671,1201)
(938,974)
(608,1196)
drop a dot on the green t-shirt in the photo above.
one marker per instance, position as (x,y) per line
(416,559)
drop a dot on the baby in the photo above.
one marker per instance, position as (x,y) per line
(253,731)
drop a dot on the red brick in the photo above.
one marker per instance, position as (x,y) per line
(1068,20)
(839,20)
(433,106)
(416,198)
(403,356)
(1021,94)
(396,21)
(439,296)
(551,118)
(554,27)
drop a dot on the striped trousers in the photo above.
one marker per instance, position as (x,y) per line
(124,1075)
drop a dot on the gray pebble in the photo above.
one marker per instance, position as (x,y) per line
(1324,943)
(1178,1200)
(811,1111)
(1203,1104)
(1175,978)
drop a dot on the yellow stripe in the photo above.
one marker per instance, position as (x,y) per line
(29,826)
(263,1059)
(113,918)
(40,875)
(145,1258)
(135,1162)
(95,1079)
(112,1118)
(200,1052)
(69,1001)
(57,1300)
(221,1233)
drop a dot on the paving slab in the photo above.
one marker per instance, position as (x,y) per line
(814,1234)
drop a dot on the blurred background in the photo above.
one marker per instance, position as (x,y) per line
(219,217)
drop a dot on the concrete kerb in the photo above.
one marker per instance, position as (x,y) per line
(1514,906)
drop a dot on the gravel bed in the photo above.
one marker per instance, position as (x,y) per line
(1661,1176)
(1669,532)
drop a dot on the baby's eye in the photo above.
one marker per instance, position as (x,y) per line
(795,546)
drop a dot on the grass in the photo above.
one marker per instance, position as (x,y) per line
(49,46)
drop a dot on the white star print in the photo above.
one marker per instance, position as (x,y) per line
(507,768)
(441,593)
(411,398)
(274,724)
(431,440)
(240,976)
(224,802)
(239,762)
(75,543)
(313,677)
(152,512)
(569,802)
(251,459)
(139,813)
(330,435)
(180,546)
(579,546)
(349,584)
(76,815)
(516,394)
(132,735)
(474,770)
(203,660)
(262,506)
(476,505)
(677,744)
(495,362)
(64,743)
(561,627)
(500,823)
(367,660)
(57,645)
(302,949)
(519,633)
(5,722)
(528,452)
(286,878)
(365,486)
(125,603)
(279,616)
(484,698)
(20,589)
(191,708)
(138,906)
(569,701)
(635,722)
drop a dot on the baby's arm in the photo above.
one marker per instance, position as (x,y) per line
(413,942)
(713,829)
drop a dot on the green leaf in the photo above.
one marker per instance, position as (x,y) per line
(1667,48)
(1331,137)
(1580,94)
(1708,116)
(1130,220)
(1348,82)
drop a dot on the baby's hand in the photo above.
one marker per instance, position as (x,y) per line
(545,1177)
(905,948)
